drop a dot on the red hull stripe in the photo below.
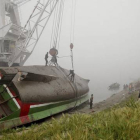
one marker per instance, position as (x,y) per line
(25,108)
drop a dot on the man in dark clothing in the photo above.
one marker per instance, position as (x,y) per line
(91,101)
(72,74)
(55,59)
(46,58)
(139,96)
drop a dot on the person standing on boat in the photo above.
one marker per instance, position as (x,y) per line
(55,60)
(72,74)
(91,101)
(46,58)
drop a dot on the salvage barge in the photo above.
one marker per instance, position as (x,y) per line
(31,93)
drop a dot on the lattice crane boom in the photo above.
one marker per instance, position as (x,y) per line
(33,30)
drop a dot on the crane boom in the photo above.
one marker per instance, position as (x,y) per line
(33,31)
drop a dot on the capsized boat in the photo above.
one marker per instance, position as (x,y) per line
(114,86)
(31,93)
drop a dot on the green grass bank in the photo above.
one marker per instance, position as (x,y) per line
(122,122)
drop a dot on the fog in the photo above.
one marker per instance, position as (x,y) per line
(106,42)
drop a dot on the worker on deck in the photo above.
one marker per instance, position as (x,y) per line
(91,101)
(46,58)
(72,74)
(54,60)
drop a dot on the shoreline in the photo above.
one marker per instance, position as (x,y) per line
(108,103)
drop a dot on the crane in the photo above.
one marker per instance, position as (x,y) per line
(32,30)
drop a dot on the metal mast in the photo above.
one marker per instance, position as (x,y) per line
(33,29)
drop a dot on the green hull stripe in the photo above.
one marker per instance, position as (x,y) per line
(6,96)
(40,115)
(42,108)
(57,109)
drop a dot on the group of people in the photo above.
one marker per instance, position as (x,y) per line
(129,87)
(125,86)
(54,61)
(71,74)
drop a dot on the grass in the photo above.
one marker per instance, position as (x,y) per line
(121,122)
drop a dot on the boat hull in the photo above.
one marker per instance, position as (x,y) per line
(31,93)
(38,112)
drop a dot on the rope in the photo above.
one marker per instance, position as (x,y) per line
(64,56)
(72,40)
(74,19)
(57,24)
(53,26)
(71,29)
(61,24)
(72,60)
(75,96)
(74,84)
(73,13)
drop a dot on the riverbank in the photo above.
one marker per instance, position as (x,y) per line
(119,122)
(83,122)
(115,99)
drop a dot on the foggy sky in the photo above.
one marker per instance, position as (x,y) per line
(106,42)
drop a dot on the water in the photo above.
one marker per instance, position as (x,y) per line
(101,92)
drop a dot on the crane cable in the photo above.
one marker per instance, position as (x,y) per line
(61,17)
(57,23)
(72,31)
(61,25)
(73,15)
